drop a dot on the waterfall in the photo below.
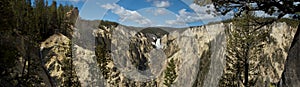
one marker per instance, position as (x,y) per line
(186,46)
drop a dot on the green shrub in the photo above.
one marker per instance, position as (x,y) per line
(170,73)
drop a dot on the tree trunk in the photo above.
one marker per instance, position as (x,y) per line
(246,72)
(246,65)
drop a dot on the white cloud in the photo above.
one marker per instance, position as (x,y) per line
(161,4)
(264,14)
(175,22)
(157,11)
(109,6)
(203,14)
(160,11)
(183,18)
(201,9)
(75,0)
(127,15)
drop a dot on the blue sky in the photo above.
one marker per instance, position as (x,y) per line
(145,13)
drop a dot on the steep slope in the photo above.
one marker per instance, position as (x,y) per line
(125,56)
(290,76)
(56,58)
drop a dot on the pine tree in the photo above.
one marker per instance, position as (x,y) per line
(170,73)
(53,27)
(69,78)
(40,17)
(30,22)
(244,47)
(7,21)
(103,59)
(61,19)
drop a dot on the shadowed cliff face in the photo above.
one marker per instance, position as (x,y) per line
(291,76)
(136,62)
(128,57)
(142,43)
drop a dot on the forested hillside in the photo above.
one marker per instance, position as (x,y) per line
(24,25)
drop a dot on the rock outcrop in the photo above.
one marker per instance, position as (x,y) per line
(128,58)
(291,76)
(57,59)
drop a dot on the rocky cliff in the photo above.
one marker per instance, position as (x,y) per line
(128,56)
(290,76)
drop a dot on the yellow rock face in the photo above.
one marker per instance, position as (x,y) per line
(54,51)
